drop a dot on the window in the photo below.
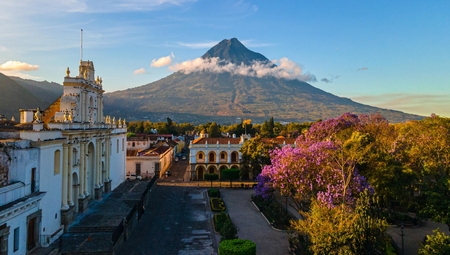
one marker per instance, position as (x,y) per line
(211,157)
(56,162)
(123,144)
(133,144)
(16,239)
(117,145)
(222,155)
(75,158)
(200,156)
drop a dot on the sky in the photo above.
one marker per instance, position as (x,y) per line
(389,54)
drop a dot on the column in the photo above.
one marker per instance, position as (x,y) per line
(81,106)
(100,109)
(95,158)
(108,158)
(82,170)
(85,108)
(69,175)
(99,163)
(86,166)
(65,206)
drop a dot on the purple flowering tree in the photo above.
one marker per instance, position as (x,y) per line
(322,166)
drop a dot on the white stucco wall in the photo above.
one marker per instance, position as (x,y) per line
(52,184)
(118,155)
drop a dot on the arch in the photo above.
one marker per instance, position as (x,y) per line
(57,162)
(132,145)
(90,171)
(212,157)
(223,157)
(200,156)
(75,187)
(200,171)
(234,167)
(212,169)
(234,157)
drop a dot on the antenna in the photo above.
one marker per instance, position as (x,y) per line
(81,44)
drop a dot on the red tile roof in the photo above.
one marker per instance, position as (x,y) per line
(203,140)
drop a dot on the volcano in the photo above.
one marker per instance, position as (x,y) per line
(203,94)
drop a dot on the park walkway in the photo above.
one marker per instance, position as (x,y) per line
(251,225)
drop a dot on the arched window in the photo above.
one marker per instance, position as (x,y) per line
(57,162)
(234,157)
(75,158)
(200,156)
(133,144)
(211,157)
(222,155)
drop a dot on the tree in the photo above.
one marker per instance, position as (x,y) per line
(436,244)
(230,174)
(256,154)
(343,230)
(211,177)
(426,147)
(214,130)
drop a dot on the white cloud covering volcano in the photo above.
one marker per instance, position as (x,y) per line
(285,68)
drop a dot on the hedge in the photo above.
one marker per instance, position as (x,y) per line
(213,192)
(237,247)
(217,204)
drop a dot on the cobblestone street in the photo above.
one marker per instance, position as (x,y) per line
(177,223)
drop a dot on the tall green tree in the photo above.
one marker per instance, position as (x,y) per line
(256,154)
(214,130)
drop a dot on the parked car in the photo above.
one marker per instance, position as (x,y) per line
(168,173)
(183,158)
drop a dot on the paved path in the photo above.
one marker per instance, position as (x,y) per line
(251,224)
(413,236)
(177,221)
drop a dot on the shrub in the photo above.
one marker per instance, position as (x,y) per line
(219,220)
(213,192)
(228,230)
(217,204)
(237,247)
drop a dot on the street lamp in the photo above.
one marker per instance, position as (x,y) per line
(403,248)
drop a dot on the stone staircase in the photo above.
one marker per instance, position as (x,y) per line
(51,110)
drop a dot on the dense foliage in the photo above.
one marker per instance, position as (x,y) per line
(337,160)
(237,247)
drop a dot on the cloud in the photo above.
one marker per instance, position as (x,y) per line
(286,68)
(331,79)
(163,61)
(139,71)
(18,66)
(422,104)
(362,69)
(85,6)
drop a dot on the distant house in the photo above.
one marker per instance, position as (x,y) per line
(213,155)
(146,159)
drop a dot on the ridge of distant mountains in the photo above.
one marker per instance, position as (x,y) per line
(17,93)
(203,96)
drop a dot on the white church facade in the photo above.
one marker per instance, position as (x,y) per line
(76,154)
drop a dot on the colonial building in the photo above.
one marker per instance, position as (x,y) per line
(146,159)
(213,155)
(75,155)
